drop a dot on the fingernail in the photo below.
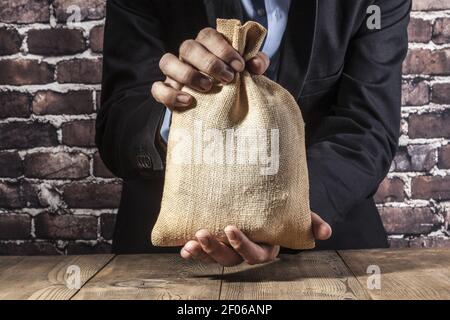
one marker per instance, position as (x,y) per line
(227,74)
(183,98)
(231,234)
(205,83)
(203,241)
(237,65)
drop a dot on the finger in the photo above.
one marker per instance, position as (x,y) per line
(259,63)
(183,73)
(200,58)
(217,250)
(321,229)
(170,97)
(251,252)
(174,84)
(216,43)
(193,250)
(273,251)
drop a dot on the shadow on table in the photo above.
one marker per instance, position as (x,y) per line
(303,266)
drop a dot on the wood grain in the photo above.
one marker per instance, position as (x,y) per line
(153,276)
(405,274)
(307,275)
(44,277)
(411,274)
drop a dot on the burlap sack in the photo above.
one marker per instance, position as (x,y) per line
(227,166)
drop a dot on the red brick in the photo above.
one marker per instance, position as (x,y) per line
(22,72)
(50,195)
(96,38)
(67,226)
(428,5)
(87,71)
(18,195)
(59,165)
(54,42)
(444,157)
(390,190)
(424,61)
(19,135)
(10,41)
(419,30)
(14,104)
(24,11)
(423,157)
(73,102)
(431,187)
(89,9)
(406,220)
(415,93)
(429,125)
(10,165)
(401,162)
(441,31)
(107,224)
(15,226)
(100,170)
(441,93)
(92,195)
(79,133)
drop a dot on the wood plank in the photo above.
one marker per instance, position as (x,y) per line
(153,276)
(410,274)
(305,276)
(7,262)
(44,277)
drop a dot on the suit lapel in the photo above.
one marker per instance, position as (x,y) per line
(297,45)
(226,9)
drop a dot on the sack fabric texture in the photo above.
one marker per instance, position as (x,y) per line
(237,158)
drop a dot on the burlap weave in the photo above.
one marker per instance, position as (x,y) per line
(209,188)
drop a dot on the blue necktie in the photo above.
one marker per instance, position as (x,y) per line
(261,17)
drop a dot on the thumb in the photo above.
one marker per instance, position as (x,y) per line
(258,64)
(321,229)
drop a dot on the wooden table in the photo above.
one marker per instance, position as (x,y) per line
(404,274)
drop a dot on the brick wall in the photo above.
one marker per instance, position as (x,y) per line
(56,196)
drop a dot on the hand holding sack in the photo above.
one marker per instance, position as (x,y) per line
(237,158)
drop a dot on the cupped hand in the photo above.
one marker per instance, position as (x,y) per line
(208,249)
(209,56)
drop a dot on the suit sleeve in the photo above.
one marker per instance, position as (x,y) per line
(128,120)
(351,151)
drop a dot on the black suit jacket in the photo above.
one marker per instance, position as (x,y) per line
(345,77)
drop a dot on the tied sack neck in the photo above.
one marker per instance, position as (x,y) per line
(246,39)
